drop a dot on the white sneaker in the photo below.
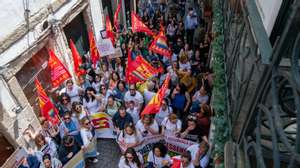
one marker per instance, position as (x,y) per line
(97,154)
(95,160)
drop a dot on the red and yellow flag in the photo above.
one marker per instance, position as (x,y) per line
(47,108)
(138,26)
(131,66)
(116,20)
(77,59)
(139,70)
(58,72)
(94,54)
(155,103)
(159,45)
(109,30)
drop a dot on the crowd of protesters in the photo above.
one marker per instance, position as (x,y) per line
(185,111)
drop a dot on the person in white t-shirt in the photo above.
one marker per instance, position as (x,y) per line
(91,102)
(199,154)
(87,137)
(72,90)
(131,159)
(159,157)
(171,125)
(132,110)
(164,111)
(129,137)
(134,95)
(147,126)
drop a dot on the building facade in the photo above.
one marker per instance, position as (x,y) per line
(29,28)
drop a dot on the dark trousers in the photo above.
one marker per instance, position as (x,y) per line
(189,36)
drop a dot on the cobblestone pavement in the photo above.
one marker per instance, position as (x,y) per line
(109,154)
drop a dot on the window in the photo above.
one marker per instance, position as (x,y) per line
(36,67)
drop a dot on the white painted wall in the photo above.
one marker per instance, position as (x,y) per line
(12,13)
(7,102)
(97,17)
(268,10)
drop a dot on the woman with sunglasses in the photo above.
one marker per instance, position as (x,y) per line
(131,159)
(91,102)
(192,131)
(129,137)
(87,137)
(147,126)
(78,111)
(70,126)
(64,104)
(44,145)
(104,94)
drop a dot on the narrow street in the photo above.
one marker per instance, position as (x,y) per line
(109,154)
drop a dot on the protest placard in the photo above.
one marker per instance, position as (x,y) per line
(76,162)
(105,47)
(117,54)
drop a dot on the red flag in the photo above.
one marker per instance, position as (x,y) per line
(95,56)
(139,70)
(159,45)
(47,108)
(77,59)
(176,163)
(131,65)
(138,26)
(116,21)
(155,103)
(109,30)
(58,72)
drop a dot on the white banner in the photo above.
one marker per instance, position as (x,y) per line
(103,125)
(174,144)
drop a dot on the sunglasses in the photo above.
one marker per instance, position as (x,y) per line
(192,118)
(67,118)
(65,99)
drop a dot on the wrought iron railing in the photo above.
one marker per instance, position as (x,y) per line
(264,88)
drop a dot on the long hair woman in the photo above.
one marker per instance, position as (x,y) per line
(130,159)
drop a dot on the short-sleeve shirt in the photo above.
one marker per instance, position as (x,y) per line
(171,128)
(128,139)
(74,93)
(157,161)
(140,127)
(137,98)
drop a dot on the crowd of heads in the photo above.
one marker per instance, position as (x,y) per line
(184,113)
